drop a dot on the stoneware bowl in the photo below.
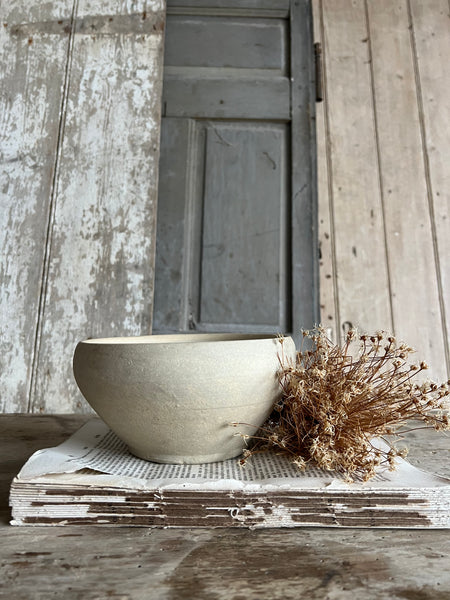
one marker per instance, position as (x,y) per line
(171,398)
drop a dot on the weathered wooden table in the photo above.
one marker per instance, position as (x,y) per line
(198,564)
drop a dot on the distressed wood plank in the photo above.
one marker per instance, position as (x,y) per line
(303,240)
(227,98)
(179,151)
(362,277)
(254,4)
(180,207)
(87,563)
(31,87)
(247,86)
(329,315)
(22,435)
(243,261)
(100,266)
(413,285)
(246,43)
(431,35)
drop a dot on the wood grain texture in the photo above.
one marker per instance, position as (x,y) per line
(304,217)
(99,280)
(244,43)
(243,259)
(92,245)
(179,144)
(329,308)
(409,227)
(31,88)
(430,29)
(230,4)
(361,267)
(251,110)
(225,98)
(247,8)
(86,563)
(383,172)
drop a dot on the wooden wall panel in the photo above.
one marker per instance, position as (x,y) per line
(359,244)
(409,231)
(327,257)
(70,218)
(98,258)
(100,263)
(383,170)
(430,28)
(32,74)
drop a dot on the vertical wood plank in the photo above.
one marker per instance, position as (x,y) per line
(100,267)
(362,275)
(304,242)
(329,313)
(179,144)
(32,74)
(431,39)
(413,282)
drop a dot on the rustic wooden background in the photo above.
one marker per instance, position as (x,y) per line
(80,114)
(78,184)
(383,168)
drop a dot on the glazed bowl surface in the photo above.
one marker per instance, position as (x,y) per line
(172,398)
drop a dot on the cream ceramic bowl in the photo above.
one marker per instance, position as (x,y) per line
(171,398)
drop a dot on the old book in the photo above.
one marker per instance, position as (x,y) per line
(92,479)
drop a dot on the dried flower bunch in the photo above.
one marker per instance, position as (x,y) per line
(337,399)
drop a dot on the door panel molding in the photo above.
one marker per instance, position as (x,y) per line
(222,112)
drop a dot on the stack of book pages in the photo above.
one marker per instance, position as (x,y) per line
(92,479)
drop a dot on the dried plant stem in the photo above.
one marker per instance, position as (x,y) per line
(336,401)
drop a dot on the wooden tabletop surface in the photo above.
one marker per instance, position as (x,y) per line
(213,564)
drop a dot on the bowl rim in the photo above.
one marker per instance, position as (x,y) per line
(183,338)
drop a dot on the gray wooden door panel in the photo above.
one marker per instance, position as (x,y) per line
(236,239)
(179,197)
(222,226)
(223,98)
(226,68)
(246,43)
(260,7)
(243,262)
(304,217)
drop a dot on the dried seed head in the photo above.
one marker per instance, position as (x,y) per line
(299,462)
(334,403)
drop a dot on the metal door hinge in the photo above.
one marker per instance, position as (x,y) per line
(318,69)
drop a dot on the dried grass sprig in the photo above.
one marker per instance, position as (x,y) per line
(337,399)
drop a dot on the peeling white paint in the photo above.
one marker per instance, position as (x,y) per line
(99,264)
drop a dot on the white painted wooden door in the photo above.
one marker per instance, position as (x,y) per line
(79,132)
